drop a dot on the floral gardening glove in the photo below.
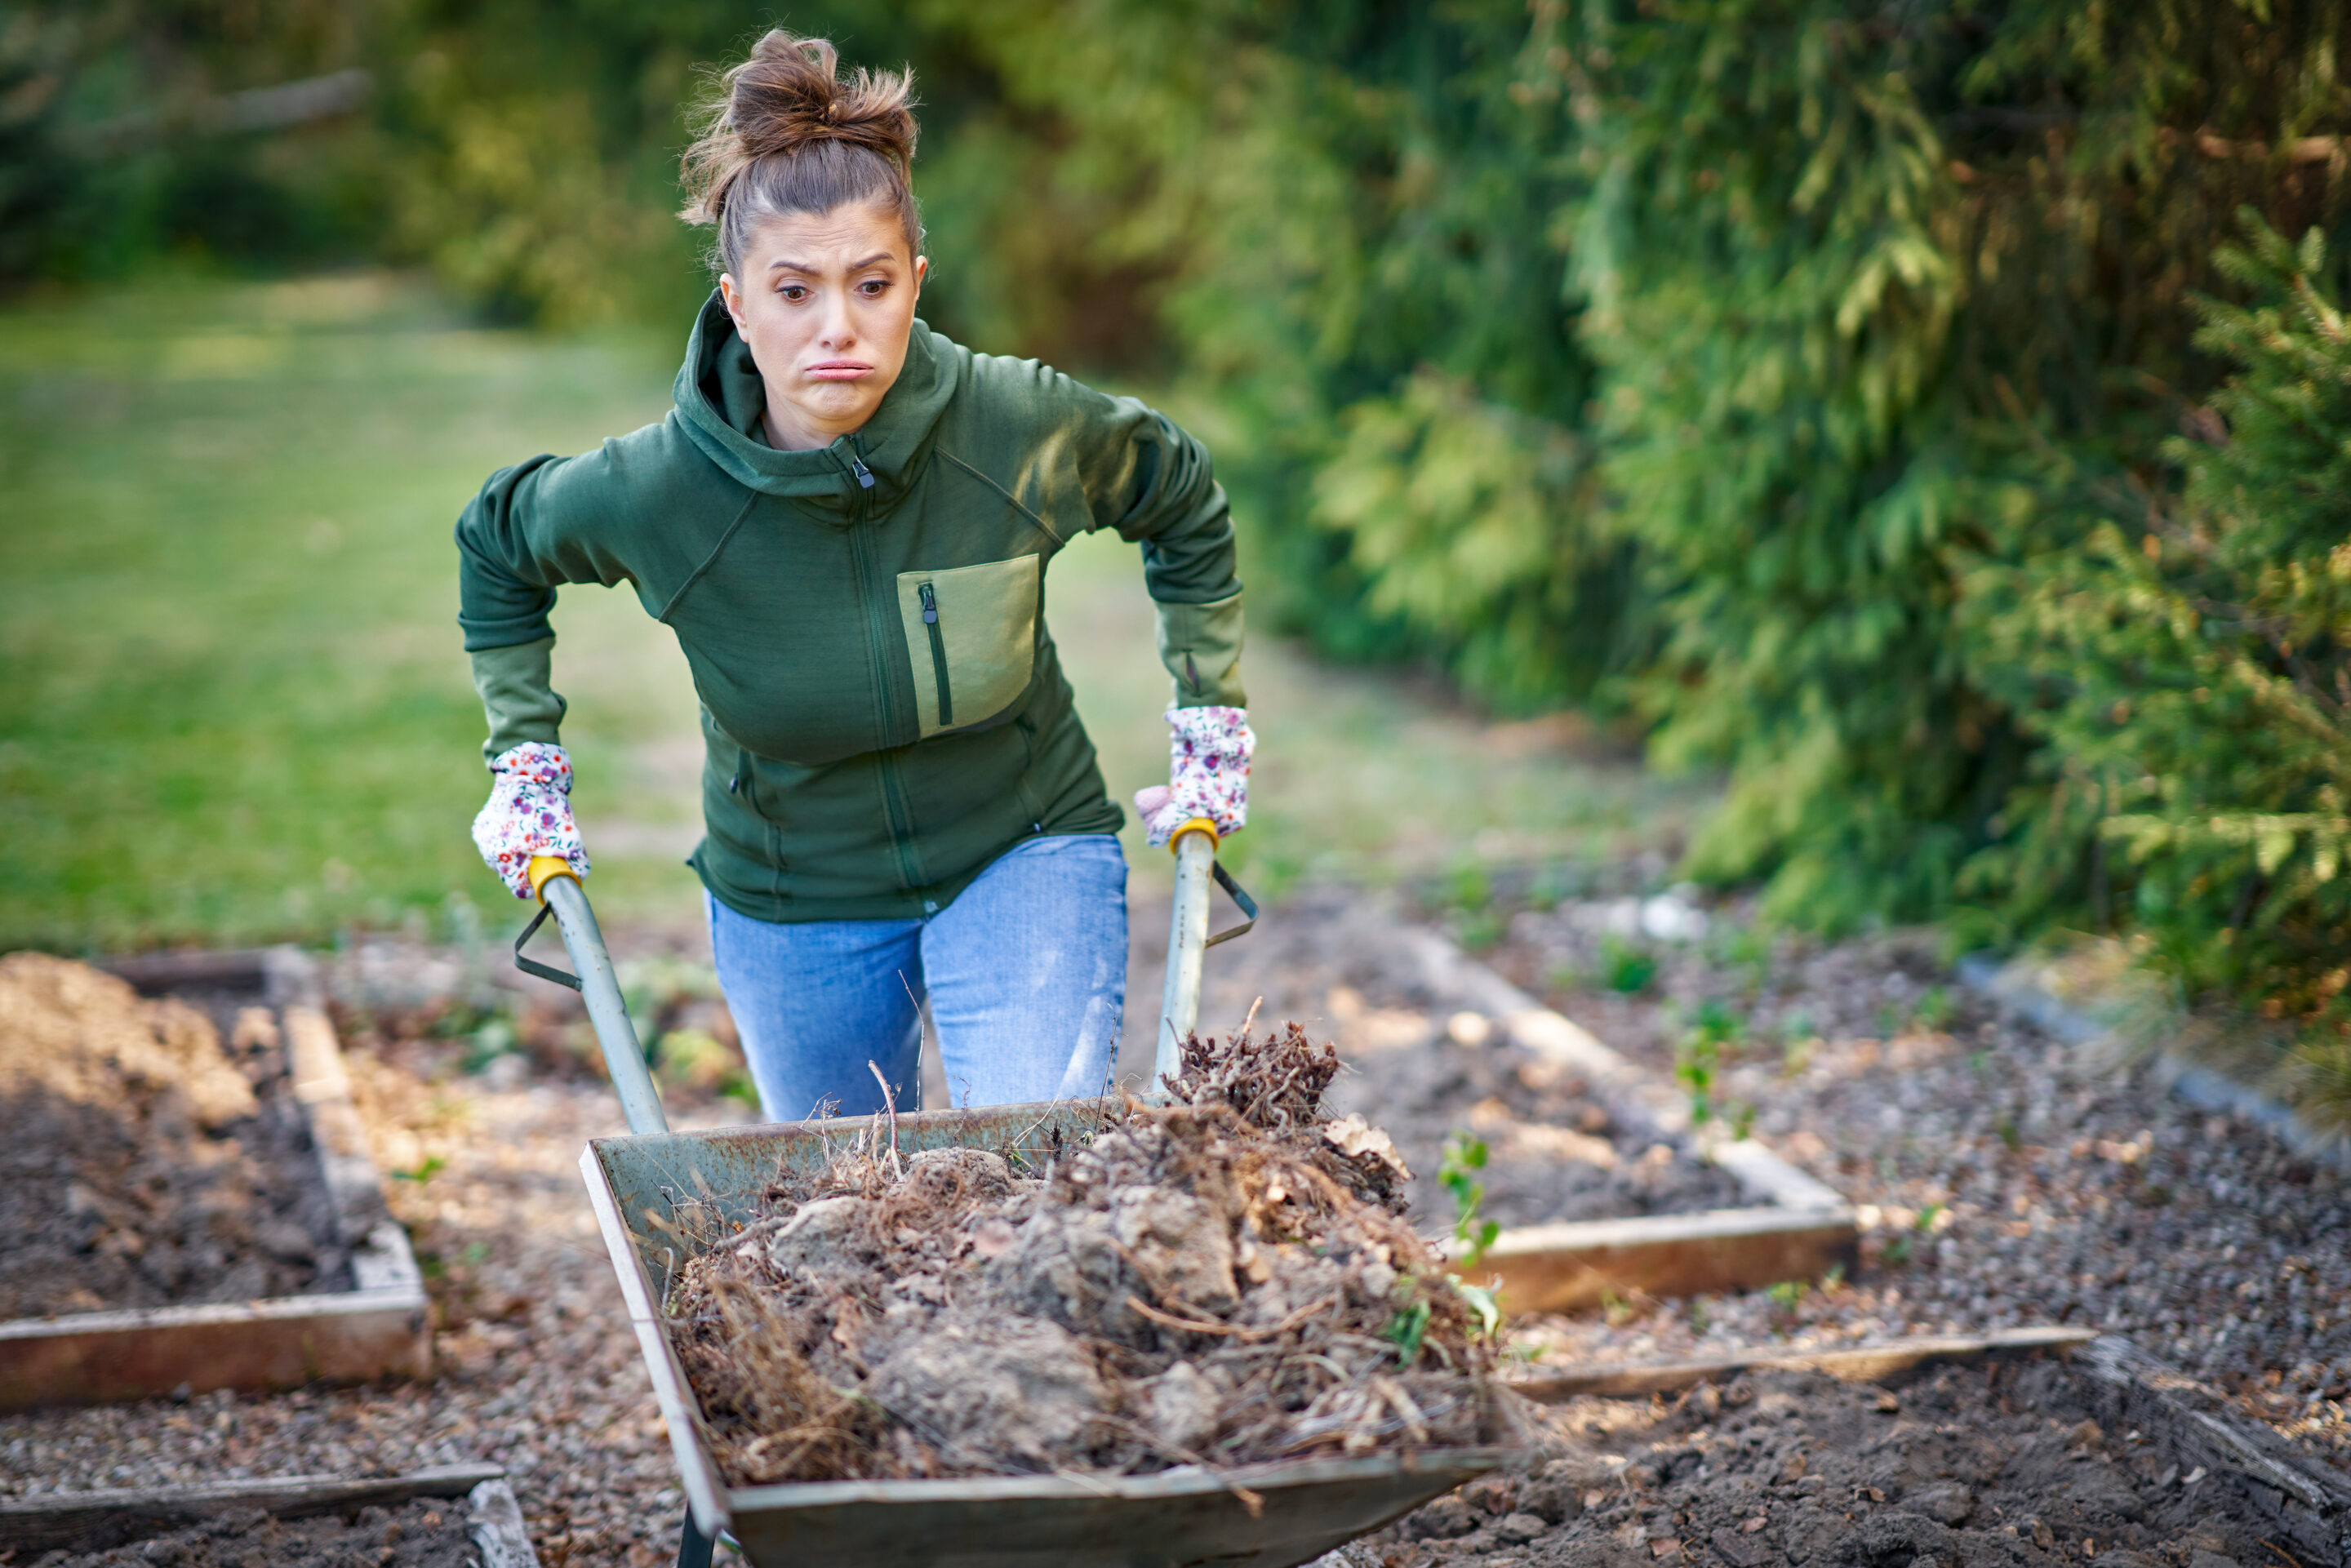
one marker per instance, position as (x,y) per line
(528,813)
(1207,773)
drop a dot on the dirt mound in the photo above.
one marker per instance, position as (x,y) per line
(1223,1279)
(126,1179)
(1980,1467)
(425,1534)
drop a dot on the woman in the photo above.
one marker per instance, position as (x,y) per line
(847,520)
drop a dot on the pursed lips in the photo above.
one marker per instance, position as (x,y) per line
(838,370)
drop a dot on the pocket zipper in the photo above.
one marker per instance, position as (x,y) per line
(938,654)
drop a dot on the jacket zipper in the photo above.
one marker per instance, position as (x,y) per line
(938,656)
(894,792)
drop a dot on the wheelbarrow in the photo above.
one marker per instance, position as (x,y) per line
(1255,1516)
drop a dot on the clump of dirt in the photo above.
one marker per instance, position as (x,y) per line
(136,1170)
(1981,1466)
(419,1535)
(1221,1280)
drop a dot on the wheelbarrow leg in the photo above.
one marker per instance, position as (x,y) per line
(693,1546)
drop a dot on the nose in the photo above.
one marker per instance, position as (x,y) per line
(839,331)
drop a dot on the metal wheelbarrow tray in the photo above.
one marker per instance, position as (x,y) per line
(1182,1516)
(1174,1519)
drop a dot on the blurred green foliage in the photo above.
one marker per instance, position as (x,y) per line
(1842,391)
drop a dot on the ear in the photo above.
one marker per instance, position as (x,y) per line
(922,270)
(734,298)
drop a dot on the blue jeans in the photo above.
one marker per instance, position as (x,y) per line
(1026,974)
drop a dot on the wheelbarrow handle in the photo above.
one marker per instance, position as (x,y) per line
(560,893)
(1194,846)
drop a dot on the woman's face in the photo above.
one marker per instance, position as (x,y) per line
(826,301)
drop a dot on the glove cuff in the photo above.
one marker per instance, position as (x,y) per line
(536,762)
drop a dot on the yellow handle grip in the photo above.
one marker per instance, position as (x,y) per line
(543,867)
(1197,825)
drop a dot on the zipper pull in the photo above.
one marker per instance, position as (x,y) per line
(930,606)
(865,475)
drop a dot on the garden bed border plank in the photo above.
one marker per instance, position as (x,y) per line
(1883,1360)
(379,1328)
(102,1521)
(1800,1229)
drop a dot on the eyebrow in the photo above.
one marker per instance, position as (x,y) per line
(789,265)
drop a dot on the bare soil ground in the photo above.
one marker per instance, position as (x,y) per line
(2205,1240)
(1982,1466)
(422,1535)
(154,1152)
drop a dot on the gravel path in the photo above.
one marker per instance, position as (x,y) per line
(2003,1177)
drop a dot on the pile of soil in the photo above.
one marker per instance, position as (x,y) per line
(426,1534)
(1978,1466)
(1224,1280)
(146,1162)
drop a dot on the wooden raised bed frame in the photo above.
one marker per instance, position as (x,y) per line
(380,1328)
(1796,1229)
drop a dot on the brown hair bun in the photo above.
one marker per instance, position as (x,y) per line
(784,132)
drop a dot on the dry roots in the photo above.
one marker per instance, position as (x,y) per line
(1220,1280)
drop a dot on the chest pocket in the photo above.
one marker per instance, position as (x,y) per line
(971,637)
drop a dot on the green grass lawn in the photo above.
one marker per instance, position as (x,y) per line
(233,707)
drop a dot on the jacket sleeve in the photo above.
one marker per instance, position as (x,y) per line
(1160,491)
(533,527)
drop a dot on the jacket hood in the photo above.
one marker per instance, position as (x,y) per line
(720,399)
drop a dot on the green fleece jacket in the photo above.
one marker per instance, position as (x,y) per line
(882,709)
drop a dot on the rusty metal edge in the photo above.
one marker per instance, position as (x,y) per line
(385,1320)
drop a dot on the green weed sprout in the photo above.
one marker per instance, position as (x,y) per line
(1405,1330)
(1698,1059)
(1464,1157)
(1624,967)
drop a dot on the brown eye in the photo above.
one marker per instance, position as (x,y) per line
(872,288)
(795,292)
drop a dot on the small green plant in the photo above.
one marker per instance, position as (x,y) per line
(2009,1137)
(1742,1121)
(1624,967)
(1457,1172)
(1482,929)
(1698,1059)
(1485,1301)
(433,1167)
(1787,1293)
(1936,1010)
(1899,1250)
(1405,1330)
